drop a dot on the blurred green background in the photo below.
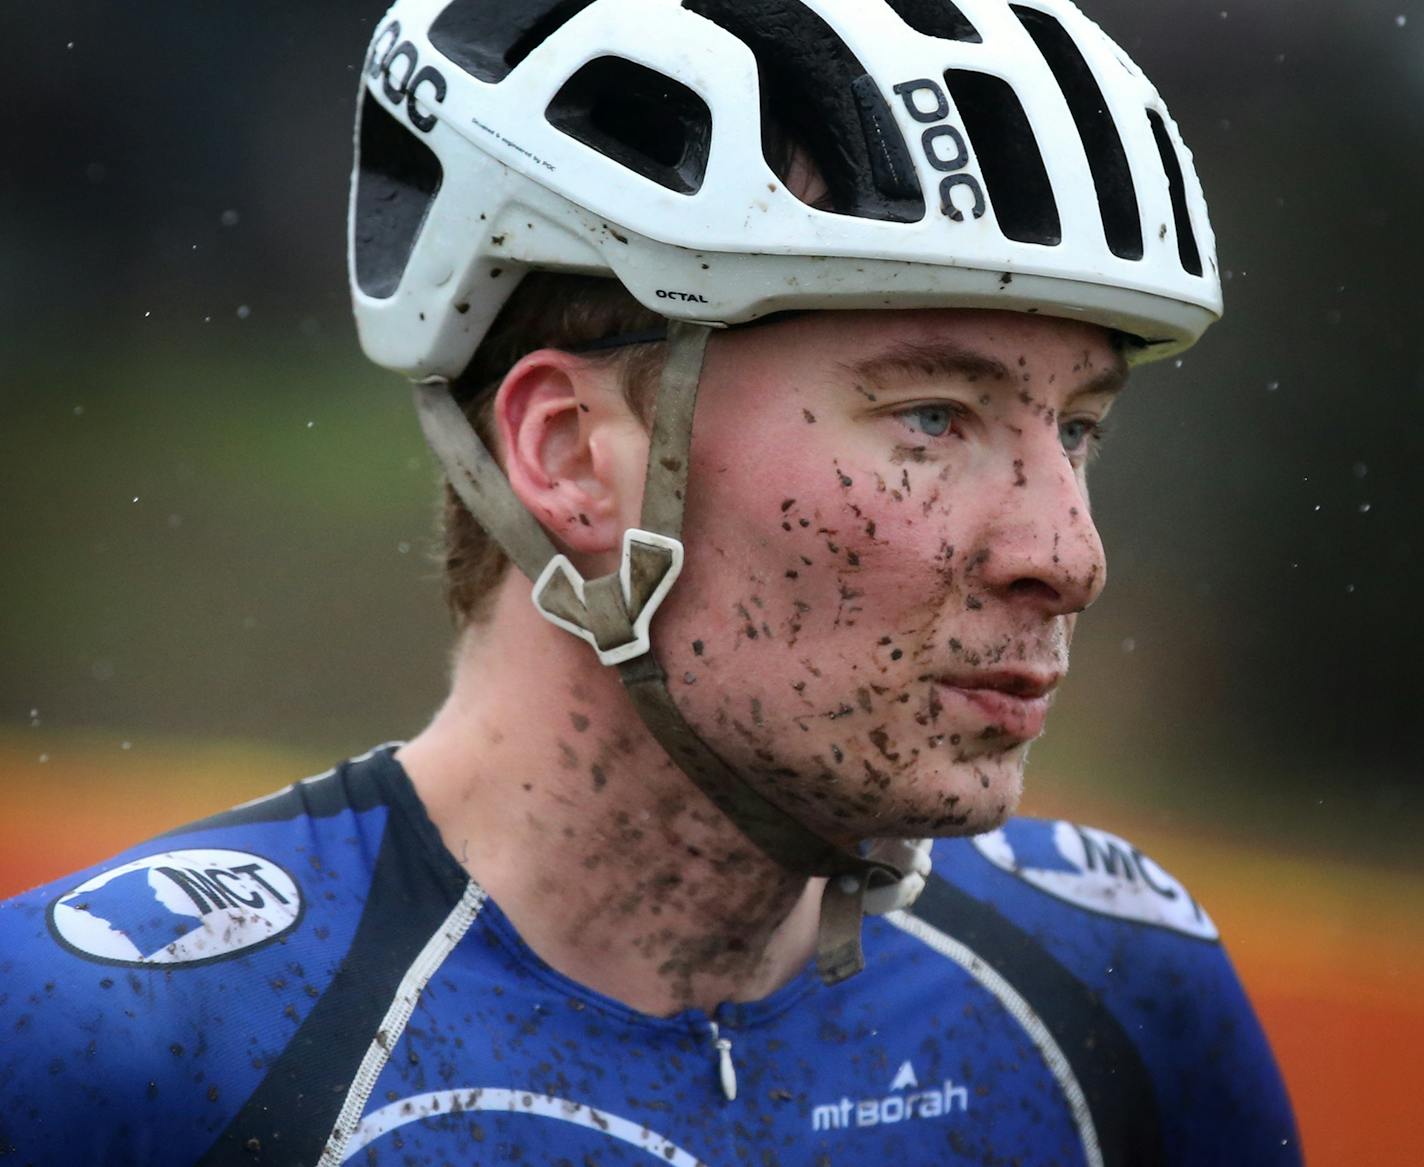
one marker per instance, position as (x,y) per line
(217,521)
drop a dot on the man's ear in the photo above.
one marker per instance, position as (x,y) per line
(573,449)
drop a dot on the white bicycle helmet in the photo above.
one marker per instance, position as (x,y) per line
(975,153)
(978,153)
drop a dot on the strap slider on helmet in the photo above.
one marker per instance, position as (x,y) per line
(614,620)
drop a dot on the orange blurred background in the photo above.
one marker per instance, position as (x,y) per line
(1332,954)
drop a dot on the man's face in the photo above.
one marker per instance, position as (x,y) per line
(888,538)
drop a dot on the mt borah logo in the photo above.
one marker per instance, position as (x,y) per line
(179,907)
(905,1102)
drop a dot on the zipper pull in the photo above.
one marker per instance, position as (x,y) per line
(726,1070)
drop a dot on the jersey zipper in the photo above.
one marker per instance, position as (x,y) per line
(726,1070)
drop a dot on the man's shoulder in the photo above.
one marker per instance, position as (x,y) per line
(165,980)
(147,904)
(1037,893)
(1046,871)
(1116,972)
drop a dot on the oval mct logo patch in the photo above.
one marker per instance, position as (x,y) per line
(177,908)
(1096,871)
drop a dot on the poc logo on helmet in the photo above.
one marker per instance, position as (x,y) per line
(943,144)
(397,63)
(178,907)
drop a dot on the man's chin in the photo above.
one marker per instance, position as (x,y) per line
(982,794)
(974,798)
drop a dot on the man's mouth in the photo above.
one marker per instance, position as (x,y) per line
(1013,704)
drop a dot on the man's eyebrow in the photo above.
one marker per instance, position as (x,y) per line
(1108,382)
(909,359)
(944,359)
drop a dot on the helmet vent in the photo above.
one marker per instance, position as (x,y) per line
(489,38)
(937,18)
(397,177)
(1107,159)
(638,117)
(817,98)
(1008,155)
(1172,166)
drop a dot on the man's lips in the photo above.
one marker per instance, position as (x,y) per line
(1014,703)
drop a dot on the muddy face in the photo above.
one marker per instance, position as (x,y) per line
(888,539)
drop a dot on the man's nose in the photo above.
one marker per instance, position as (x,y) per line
(1039,545)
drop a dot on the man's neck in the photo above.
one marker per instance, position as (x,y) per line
(612,865)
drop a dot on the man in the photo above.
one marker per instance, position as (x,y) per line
(609,906)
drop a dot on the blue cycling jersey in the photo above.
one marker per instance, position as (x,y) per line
(314,979)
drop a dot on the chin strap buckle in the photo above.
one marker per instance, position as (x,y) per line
(613,614)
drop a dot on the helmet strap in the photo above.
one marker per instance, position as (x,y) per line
(613,614)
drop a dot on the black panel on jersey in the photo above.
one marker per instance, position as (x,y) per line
(353,786)
(1105,1061)
(415,886)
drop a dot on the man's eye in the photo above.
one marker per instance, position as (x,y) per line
(934,421)
(1080,436)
